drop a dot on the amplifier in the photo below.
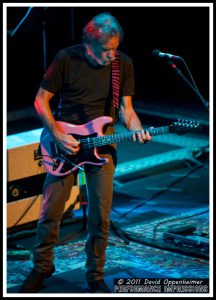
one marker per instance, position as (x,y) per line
(28,209)
(25,178)
(22,155)
(25,187)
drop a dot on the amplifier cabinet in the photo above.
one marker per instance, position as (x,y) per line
(22,162)
(28,209)
(25,179)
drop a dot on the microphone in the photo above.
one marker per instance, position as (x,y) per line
(158,53)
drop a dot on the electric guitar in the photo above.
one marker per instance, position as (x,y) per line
(90,136)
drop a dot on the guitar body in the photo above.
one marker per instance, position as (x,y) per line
(57,162)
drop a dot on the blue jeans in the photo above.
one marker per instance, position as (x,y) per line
(56,191)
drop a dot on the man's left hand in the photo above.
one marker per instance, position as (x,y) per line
(142,136)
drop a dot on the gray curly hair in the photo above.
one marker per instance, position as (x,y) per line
(102,25)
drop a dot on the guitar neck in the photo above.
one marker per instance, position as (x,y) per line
(121,137)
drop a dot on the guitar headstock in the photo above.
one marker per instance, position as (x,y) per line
(184,125)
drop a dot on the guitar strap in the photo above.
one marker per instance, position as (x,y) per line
(116,80)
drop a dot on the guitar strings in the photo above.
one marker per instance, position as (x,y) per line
(113,138)
(106,139)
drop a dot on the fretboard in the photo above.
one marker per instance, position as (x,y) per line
(92,142)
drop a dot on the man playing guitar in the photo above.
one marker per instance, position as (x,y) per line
(94,92)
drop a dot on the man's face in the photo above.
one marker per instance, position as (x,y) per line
(103,51)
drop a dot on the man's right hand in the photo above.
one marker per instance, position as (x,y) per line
(66,142)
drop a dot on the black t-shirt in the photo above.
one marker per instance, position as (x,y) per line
(85,90)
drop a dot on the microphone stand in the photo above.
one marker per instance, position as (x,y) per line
(178,71)
(43,23)
(198,152)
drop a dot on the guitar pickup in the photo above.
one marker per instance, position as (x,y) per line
(55,150)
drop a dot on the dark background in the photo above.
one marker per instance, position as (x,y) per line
(182,31)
